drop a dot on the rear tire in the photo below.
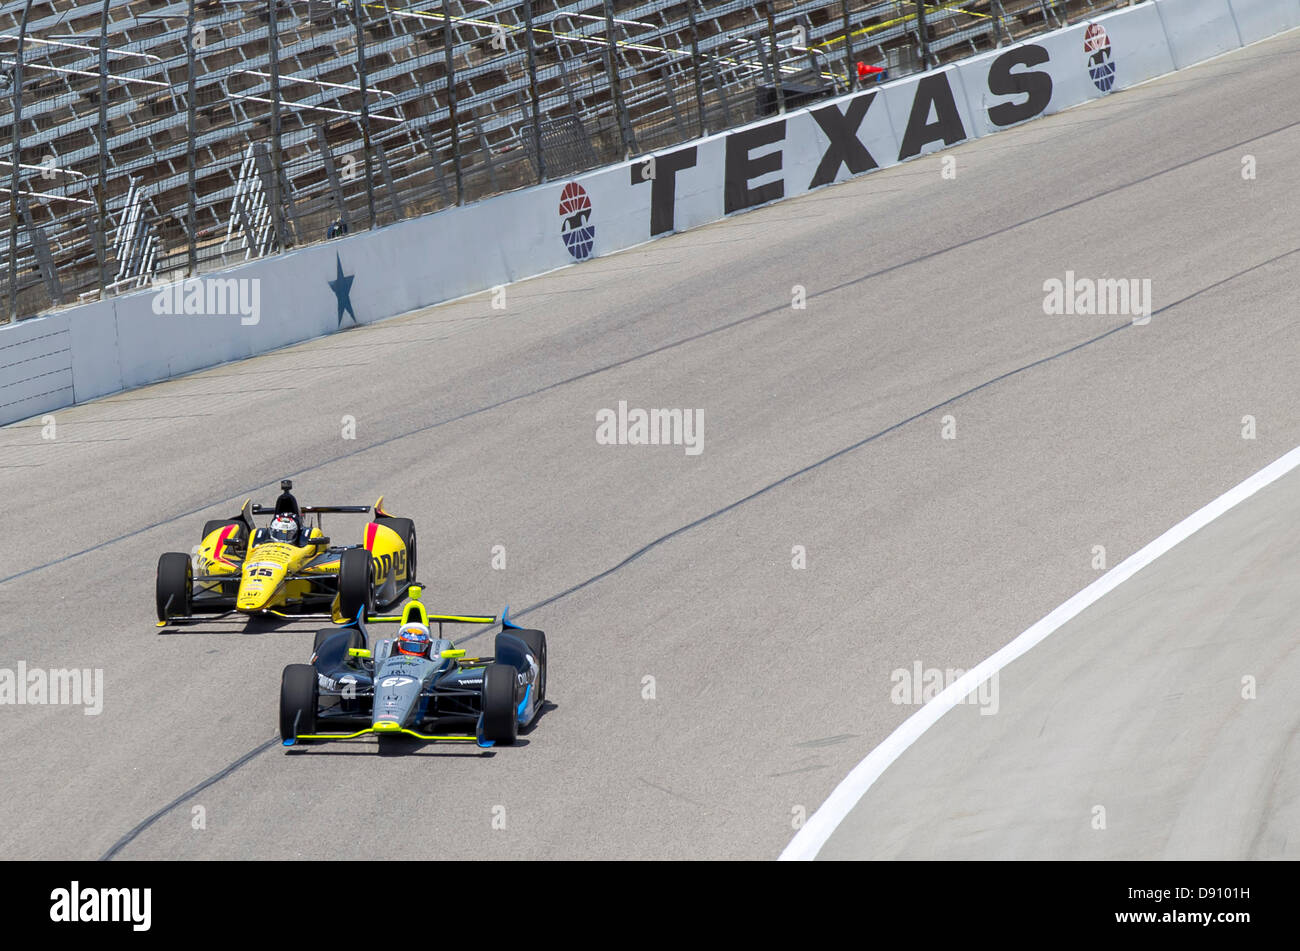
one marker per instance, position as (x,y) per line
(356,583)
(238,543)
(175,585)
(299,700)
(500,724)
(217,523)
(405,528)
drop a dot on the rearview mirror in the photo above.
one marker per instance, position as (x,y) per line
(453,654)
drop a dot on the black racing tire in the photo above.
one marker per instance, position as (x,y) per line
(299,700)
(356,640)
(212,525)
(405,529)
(174,589)
(356,583)
(536,641)
(500,721)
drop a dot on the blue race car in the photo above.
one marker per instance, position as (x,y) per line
(414,685)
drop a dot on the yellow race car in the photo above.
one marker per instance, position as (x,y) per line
(289,567)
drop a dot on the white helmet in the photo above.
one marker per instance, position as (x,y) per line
(284,528)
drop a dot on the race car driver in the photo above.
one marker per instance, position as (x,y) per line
(285,528)
(413,640)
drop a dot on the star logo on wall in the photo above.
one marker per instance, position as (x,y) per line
(342,288)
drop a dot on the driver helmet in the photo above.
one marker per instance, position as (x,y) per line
(413,639)
(284,528)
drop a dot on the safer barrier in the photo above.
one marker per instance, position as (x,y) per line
(90,351)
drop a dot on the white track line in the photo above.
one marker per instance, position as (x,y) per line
(813,835)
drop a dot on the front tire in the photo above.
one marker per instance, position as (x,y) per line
(299,700)
(355,640)
(356,583)
(500,723)
(536,641)
(174,588)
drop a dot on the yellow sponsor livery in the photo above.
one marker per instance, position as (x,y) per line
(289,567)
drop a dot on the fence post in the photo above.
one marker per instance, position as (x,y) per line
(191,169)
(365,112)
(921,34)
(15,159)
(626,136)
(277,165)
(532,90)
(695,62)
(776,61)
(101,191)
(850,73)
(449,67)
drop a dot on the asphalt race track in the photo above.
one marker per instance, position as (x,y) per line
(1160,723)
(822,428)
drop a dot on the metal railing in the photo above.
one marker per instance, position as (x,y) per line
(154,140)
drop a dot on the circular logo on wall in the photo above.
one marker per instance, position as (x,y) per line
(576,229)
(1096,46)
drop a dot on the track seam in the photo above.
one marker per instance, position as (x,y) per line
(127,839)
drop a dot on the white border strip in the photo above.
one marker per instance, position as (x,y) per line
(808,841)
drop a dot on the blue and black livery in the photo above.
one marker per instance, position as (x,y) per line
(350,689)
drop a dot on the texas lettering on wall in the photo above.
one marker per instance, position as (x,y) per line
(754,155)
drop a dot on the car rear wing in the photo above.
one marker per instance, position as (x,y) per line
(308,509)
(415,611)
(427,618)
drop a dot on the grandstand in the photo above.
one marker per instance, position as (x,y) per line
(159,138)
